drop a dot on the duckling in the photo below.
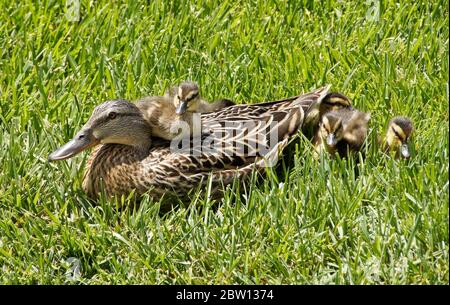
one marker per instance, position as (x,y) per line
(334,101)
(397,136)
(175,110)
(186,97)
(331,102)
(341,131)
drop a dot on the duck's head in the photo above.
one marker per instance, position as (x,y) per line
(334,101)
(115,121)
(186,98)
(331,129)
(397,136)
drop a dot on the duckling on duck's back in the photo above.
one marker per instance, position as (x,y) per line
(173,114)
(159,113)
(186,98)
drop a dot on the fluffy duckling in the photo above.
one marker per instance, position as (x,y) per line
(334,101)
(341,131)
(186,97)
(331,102)
(173,114)
(397,136)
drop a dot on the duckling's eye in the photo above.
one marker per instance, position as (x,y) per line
(112,115)
(193,96)
(396,133)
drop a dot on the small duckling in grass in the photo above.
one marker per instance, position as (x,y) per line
(397,137)
(341,131)
(334,101)
(168,114)
(331,102)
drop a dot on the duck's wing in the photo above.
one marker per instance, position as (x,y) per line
(180,174)
(253,111)
(236,142)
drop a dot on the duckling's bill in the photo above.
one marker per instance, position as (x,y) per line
(404,149)
(82,140)
(331,140)
(182,107)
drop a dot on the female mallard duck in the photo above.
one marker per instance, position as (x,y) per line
(397,136)
(167,114)
(127,161)
(341,131)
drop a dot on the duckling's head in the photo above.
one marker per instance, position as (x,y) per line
(115,121)
(334,101)
(331,129)
(397,136)
(186,98)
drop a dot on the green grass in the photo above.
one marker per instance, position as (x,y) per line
(322,223)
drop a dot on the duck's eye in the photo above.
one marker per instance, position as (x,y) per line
(112,115)
(193,96)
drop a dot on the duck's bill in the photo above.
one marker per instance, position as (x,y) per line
(79,143)
(331,140)
(404,149)
(181,109)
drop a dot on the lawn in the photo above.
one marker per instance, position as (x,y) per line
(322,222)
